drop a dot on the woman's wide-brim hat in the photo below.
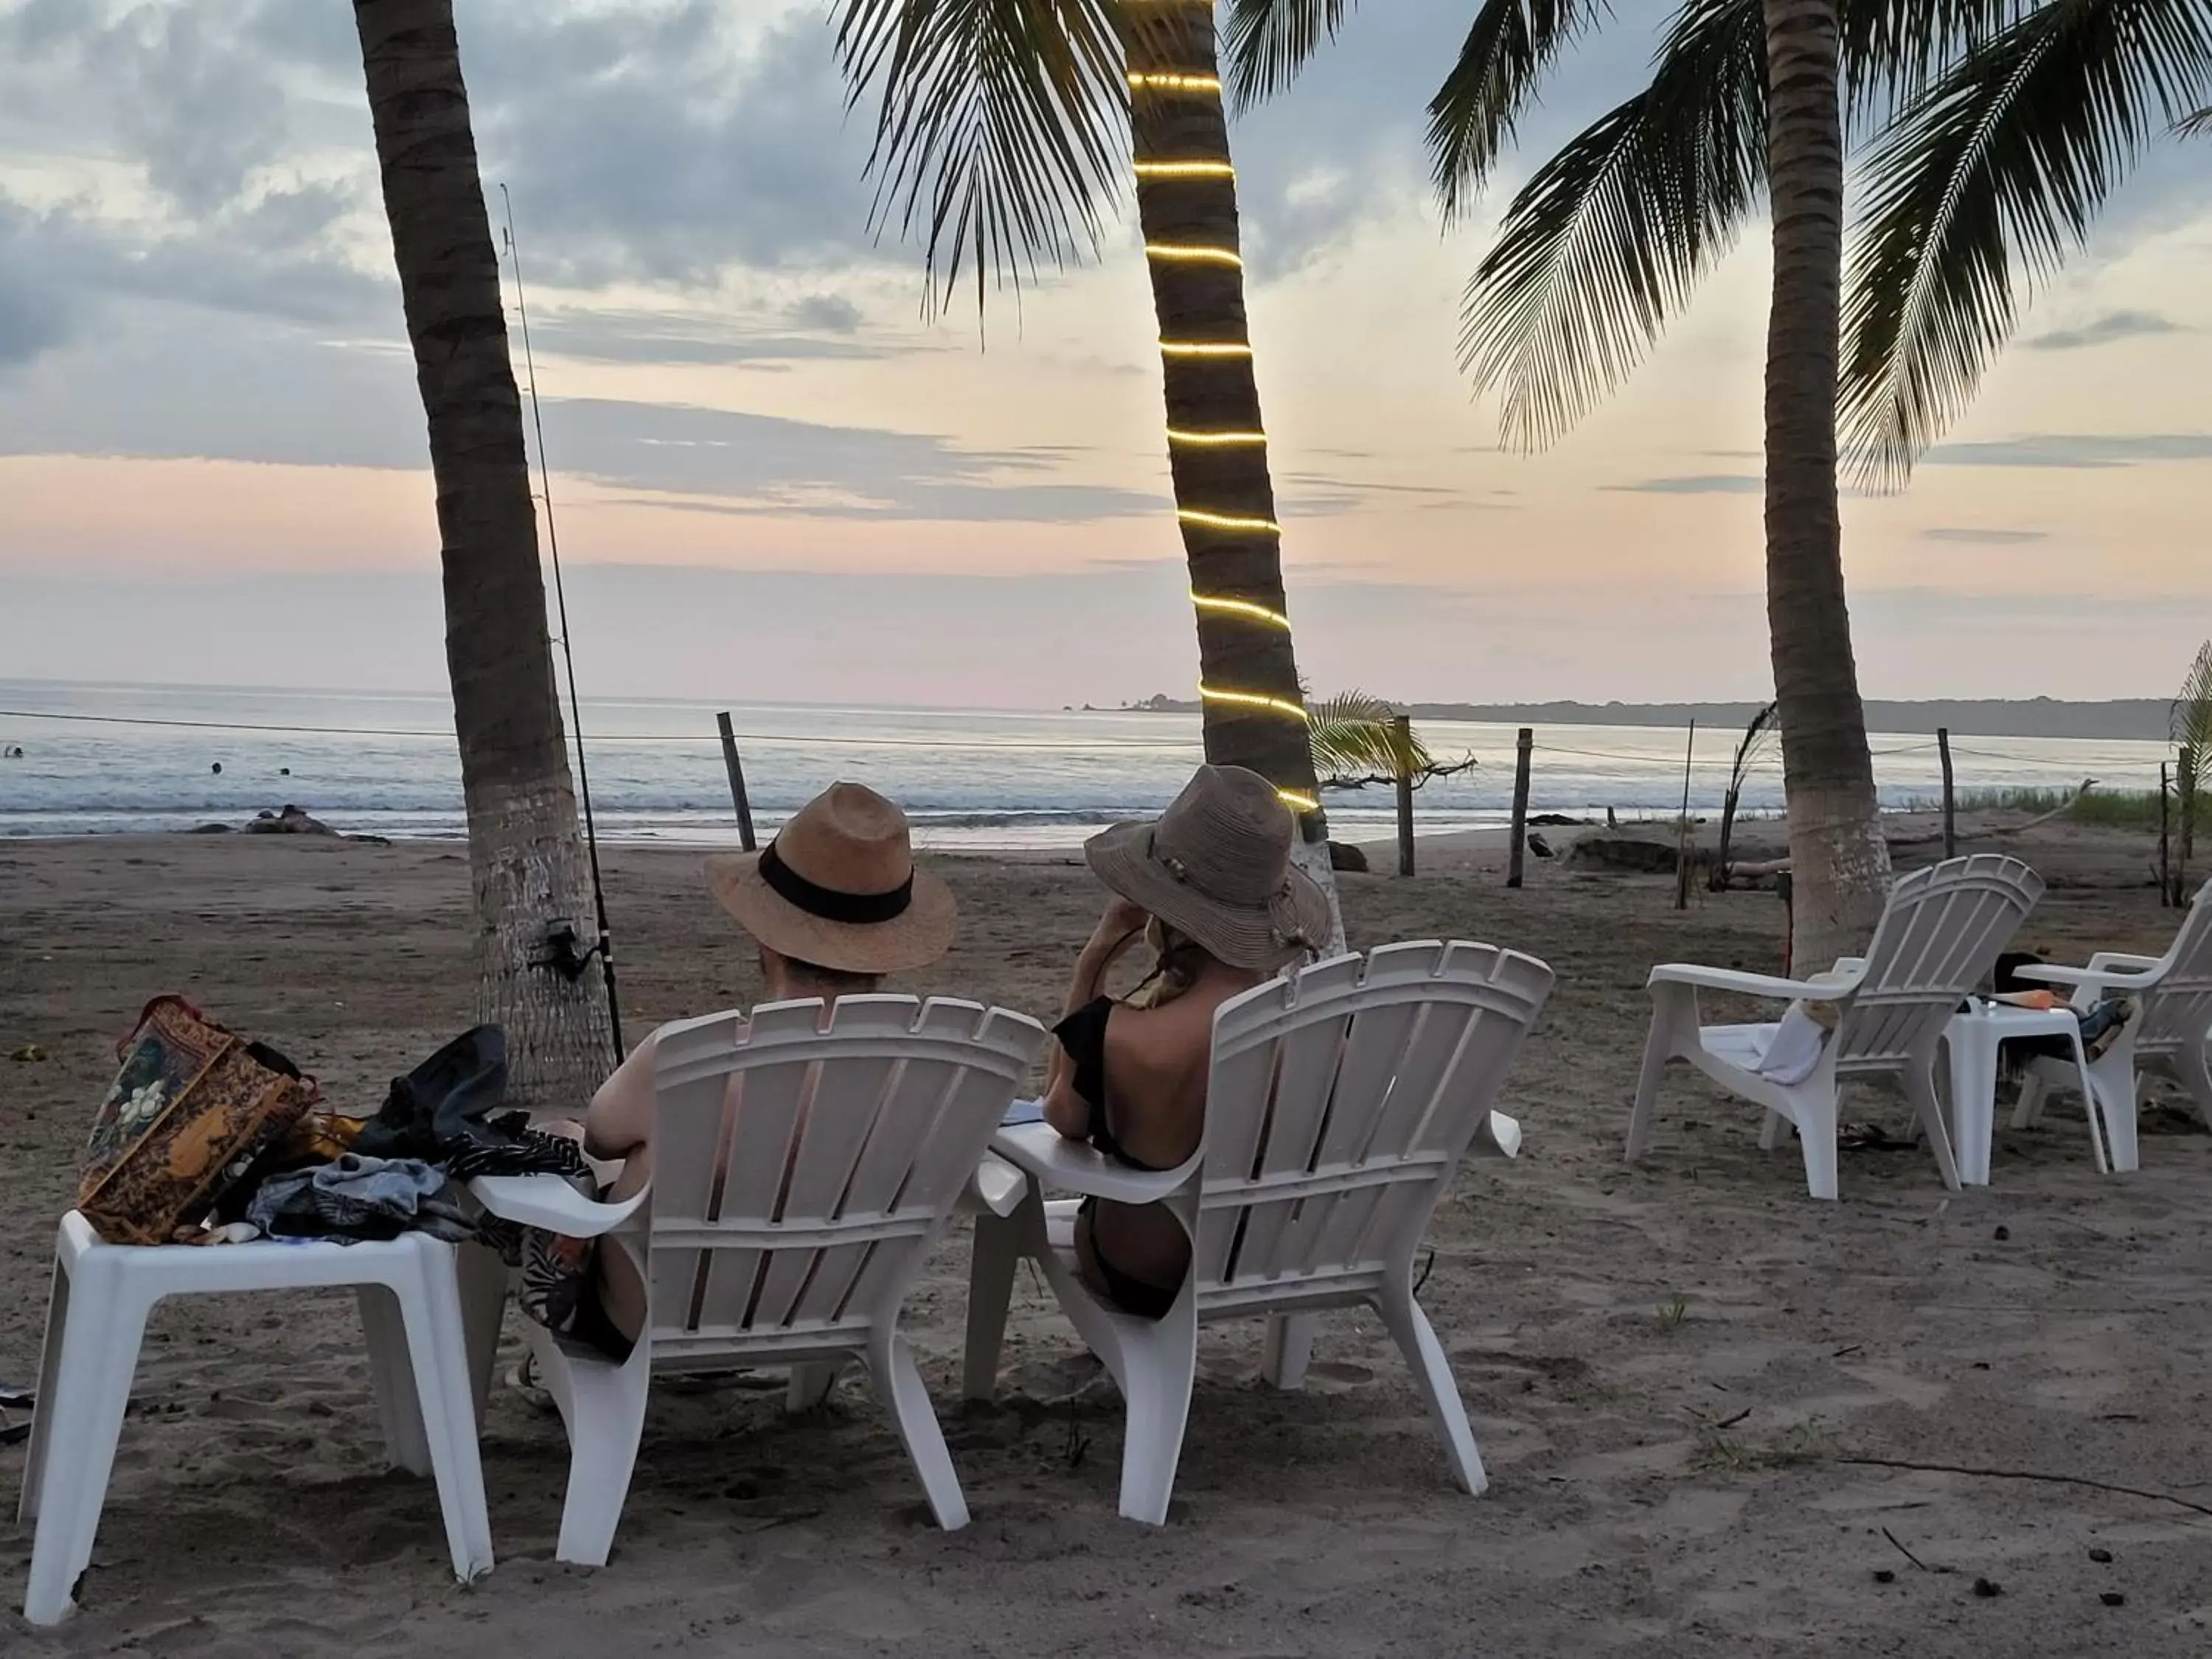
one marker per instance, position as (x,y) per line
(838,888)
(1216,867)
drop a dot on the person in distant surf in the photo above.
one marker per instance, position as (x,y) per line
(1209,888)
(833,903)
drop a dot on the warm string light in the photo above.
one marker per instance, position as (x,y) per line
(1185,170)
(1230,440)
(1151,80)
(1257,527)
(1241,608)
(1193,254)
(1297,800)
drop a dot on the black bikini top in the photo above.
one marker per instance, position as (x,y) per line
(1082,1035)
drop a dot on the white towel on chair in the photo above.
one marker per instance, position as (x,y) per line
(1793,1049)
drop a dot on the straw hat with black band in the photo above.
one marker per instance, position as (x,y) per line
(1216,867)
(838,888)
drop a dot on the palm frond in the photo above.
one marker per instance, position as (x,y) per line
(2190,718)
(1604,245)
(1355,733)
(2195,125)
(1001,129)
(1506,51)
(1268,41)
(1893,50)
(1978,191)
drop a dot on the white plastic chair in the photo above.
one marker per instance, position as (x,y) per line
(801,1173)
(2175,992)
(1939,936)
(1340,1102)
(103,1294)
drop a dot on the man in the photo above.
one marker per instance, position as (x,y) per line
(833,903)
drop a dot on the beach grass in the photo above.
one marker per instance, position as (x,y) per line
(2118,809)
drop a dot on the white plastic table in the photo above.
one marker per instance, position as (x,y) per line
(1971,1041)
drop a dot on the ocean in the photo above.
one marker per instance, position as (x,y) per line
(101,759)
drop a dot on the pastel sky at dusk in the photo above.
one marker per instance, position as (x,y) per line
(212,462)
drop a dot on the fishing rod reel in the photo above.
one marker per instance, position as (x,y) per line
(562,954)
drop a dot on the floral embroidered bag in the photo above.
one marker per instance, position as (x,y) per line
(193,1105)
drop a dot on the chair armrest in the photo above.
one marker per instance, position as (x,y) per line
(997,1186)
(1042,1151)
(1754,985)
(2106,960)
(549,1201)
(2092,974)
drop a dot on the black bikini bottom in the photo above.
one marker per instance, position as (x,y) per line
(1139,1298)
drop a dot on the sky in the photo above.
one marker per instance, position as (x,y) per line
(776,477)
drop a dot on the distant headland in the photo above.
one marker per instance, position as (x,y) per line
(2140,718)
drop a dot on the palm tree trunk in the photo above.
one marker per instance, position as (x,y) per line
(1253,702)
(1839,863)
(525,858)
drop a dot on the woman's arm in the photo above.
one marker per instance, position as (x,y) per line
(1120,926)
(620,1120)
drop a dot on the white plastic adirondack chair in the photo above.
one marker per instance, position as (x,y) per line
(2175,991)
(801,1173)
(1340,1102)
(1938,936)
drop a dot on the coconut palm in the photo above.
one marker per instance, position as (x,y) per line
(1608,240)
(525,859)
(1981,185)
(1004,128)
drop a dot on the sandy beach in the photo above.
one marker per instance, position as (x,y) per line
(1693,1385)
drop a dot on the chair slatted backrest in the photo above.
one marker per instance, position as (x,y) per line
(804,1161)
(1938,938)
(2178,1012)
(1342,1098)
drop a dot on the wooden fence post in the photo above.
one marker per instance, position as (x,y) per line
(737,785)
(2165,867)
(1402,742)
(1682,827)
(2185,785)
(1516,858)
(1950,796)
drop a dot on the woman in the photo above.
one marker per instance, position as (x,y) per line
(1209,886)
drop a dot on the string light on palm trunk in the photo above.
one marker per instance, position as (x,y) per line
(1216,170)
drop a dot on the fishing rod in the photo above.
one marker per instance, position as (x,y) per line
(605,947)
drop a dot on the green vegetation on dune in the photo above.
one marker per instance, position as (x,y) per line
(2128,809)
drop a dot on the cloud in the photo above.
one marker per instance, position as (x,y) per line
(640,337)
(1981,537)
(2104,331)
(827,313)
(2075,450)
(1703,483)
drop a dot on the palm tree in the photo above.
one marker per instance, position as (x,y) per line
(1979,187)
(1002,129)
(1609,238)
(525,859)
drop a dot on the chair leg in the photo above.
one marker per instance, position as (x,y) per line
(1920,1089)
(1432,1375)
(438,1362)
(2114,1099)
(483,1285)
(1661,1044)
(1289,1351)
(1972,1076)
(890,1363)
(1772,1132)
(82,1411)
(392,1372)
(604,1409)
(810,1385)
(2028,1110)
(1816,1141)
(1158,1371)
(997,1254)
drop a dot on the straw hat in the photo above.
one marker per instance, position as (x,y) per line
(837,888)
(1216,867)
